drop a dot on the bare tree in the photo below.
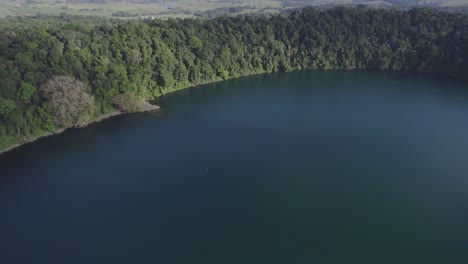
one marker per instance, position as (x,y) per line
(69,101)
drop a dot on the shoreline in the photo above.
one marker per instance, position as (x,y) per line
(145,107)
(214,81)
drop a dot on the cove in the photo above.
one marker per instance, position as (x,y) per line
(301,167)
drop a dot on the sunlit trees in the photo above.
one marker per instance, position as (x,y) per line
(124,61)
(25,91)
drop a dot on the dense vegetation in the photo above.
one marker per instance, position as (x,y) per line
(113,62)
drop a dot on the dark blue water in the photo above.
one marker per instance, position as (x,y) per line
(303,167)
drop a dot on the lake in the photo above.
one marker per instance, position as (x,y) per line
(302,167)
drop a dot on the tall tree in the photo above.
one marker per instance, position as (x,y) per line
(69,101)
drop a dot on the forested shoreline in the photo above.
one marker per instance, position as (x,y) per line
(64,72)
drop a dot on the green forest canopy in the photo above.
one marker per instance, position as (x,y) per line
(110,60)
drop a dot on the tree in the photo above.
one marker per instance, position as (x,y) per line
(6,106)
(69,101)
(224,74)
(127,102)
(25,91)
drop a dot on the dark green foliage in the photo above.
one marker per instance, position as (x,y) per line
(6,106)
(150,58)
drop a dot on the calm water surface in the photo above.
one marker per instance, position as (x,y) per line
(304,167)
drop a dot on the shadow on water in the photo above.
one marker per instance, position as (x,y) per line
(72,140)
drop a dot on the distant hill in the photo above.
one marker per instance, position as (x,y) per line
(383,3)
(198,8)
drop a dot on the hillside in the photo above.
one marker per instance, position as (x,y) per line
(65,72)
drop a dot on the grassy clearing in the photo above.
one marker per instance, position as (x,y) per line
(182,8)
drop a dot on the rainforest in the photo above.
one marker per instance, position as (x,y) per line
(60,72)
